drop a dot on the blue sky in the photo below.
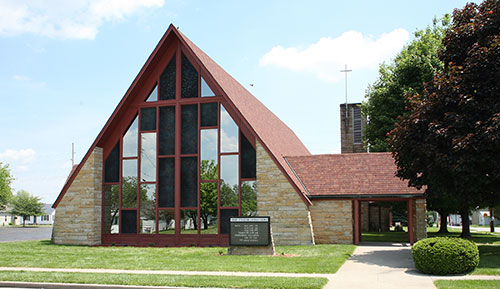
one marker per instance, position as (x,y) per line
(65,65)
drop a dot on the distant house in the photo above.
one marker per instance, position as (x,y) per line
(46,219)
(482,217)
(7,218)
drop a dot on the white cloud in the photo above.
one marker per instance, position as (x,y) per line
(327,56)
(78,19)
(18,157)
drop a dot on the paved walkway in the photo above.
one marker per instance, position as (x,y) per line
(375,265)
(12,234)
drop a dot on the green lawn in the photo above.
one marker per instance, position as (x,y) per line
(467,284)
(295,259)
(478,237)
(165,280)
(393,237)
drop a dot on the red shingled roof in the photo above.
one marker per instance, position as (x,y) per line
(350,175)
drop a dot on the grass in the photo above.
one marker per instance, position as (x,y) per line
(394,237)
(467,284)
(165,280)
(489,261)
(295,259)
(478,237)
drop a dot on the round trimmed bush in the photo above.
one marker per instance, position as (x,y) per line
(444,256)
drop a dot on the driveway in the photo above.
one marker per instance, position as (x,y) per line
(12,234)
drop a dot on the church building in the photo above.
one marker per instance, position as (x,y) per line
(188,147)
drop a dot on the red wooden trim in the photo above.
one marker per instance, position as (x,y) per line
(411,236)
(177,166)
(357,229)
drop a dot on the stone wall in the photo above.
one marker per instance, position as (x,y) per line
(419,219)
(365,211)
(332,221)
(78,214)
(346,130)
(290,217)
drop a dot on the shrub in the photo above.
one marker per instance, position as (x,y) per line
(444,256)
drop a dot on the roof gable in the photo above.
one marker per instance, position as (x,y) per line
(252,115)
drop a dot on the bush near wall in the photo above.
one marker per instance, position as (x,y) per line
(445,256)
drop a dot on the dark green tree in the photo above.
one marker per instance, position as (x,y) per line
(25,205)
(451,138)
(248,198)
(415,65)
(5,182)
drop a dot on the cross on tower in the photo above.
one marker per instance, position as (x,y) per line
(346,110)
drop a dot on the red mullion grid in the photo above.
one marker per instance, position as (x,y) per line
(156,158)
(218,170)
(139,158)
(198,162)
(177,149)
(239,171)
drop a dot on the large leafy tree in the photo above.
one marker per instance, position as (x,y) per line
(415,65)
(5,189)
(25,205)
(451,138)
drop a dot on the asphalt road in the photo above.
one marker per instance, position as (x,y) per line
(11,234)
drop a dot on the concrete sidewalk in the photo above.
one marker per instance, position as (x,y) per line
(386,265)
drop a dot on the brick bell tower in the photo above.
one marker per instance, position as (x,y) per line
(352,123)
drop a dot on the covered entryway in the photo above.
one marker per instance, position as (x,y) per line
(376,215)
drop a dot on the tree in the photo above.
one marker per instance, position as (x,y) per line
(5,189)
(415,65)
(25,205)
(451,137)
(208,191)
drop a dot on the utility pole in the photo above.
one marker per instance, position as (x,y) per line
(346,110)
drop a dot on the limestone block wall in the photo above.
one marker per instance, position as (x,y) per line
(365,211)
(290,217)
(332,221)
(78,214)
(419,219)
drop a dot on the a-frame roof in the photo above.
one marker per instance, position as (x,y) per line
(278,139)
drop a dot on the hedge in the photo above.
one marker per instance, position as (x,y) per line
(445,256)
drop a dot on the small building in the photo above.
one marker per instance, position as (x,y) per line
(46,219)
(188,147)
(7,219)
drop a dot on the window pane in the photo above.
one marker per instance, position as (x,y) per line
(208,114)
(208,208)
(208,165)
(167,130)
(228,132)
(189,182)
(189,82)
(205,89)
(129,184)
(189,222)
(148,157)
(130,140)
(129,221)
(229,181)
(167,81)
(111,209)
(112,166)
(148,118)
(148,209)
(153,96)
(166,183)
(166,222)
(249,198)
(189,129)
(248,159)
(224,219)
